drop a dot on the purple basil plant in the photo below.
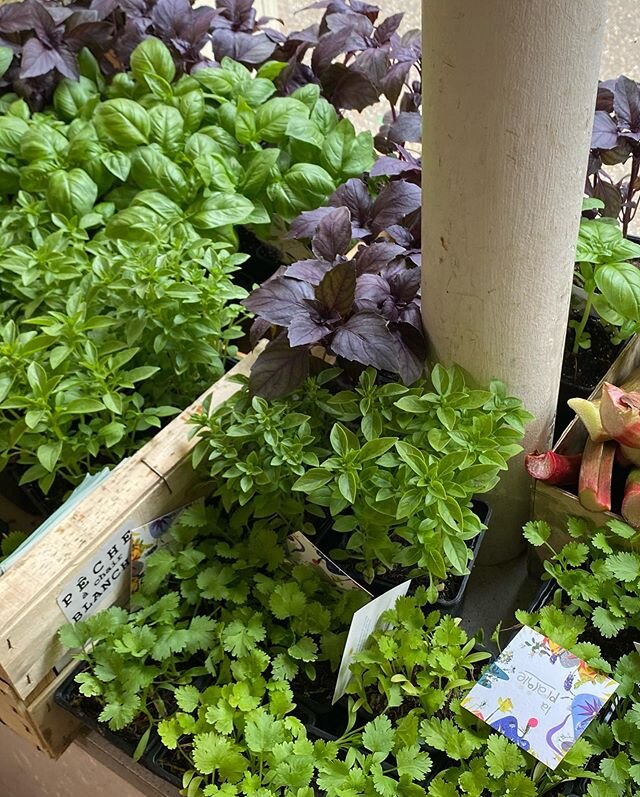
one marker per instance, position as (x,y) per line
(616,139)
(357,60)
(358,308)
(46,37)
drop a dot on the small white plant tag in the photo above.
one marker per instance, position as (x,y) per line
(363,623)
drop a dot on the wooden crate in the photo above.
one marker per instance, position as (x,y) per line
(154,481)
(554,504)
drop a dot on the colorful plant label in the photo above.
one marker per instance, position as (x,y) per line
(539,696)
(149,538)
(363,623)
(302,551)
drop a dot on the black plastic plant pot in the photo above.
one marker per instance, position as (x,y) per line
(68,696)
(264,260)
(543,596)
(158,760)
(456,584)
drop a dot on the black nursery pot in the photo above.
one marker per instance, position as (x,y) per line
(68,696)
(263,262)
(156,760)
(328,540)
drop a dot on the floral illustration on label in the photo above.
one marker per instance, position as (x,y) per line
(539,695)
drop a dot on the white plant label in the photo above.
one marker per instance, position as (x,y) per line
(363,623)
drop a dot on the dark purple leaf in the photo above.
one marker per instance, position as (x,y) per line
(604,98)
(401,235)
(306,224)
(367,9)
(328,48)
(393,82)
(374,257)
(294,76)
(333,236)
(404,282)
(258,330)
(393,203)
(311,271)
(407,127)
(278,300)
(373,63)
(360,30)
(410,351)
(611,197)
(37,60)
(387,166)
(307,328)
(16,17)
(387,28)
(365,339)
(240,13)
(347,89)
(371,289)
(279,370)
(336,290)
(605,131)
(246,48)
(355,196)
(626,103)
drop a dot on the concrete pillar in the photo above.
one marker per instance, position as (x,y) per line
(509,89)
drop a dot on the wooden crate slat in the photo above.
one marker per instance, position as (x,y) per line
(132,494)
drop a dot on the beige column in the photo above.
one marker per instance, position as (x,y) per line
(509,88)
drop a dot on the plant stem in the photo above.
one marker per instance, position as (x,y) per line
(583,323)
(628,214)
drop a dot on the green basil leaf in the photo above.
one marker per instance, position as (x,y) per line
(272,118)
(48,455)
(133,224)
(44,143)
(619,283)
(271,69)
(324,116)
(360,158)
(191,106)
(245,123)
(118,163)
(71,96)
(71,193)
(123,122)
(220,209)
(308,185)
(6,57)
(257,170)
(309,95)
(166,127)
(151,168)
(305,130)
(337,147)
(12,131)
(84,405)
(219,81)
(257,91)
(9,178)
(151,59)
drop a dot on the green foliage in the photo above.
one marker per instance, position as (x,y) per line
(91,330)
(611,284)
(598,572)
(413,658)
(403,499)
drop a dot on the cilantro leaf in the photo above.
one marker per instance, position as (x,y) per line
(502,756)
(412,762)
(378,735)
